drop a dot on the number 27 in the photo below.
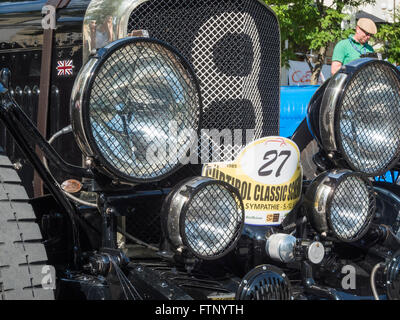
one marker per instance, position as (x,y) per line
(274,154)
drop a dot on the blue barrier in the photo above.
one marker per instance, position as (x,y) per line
(294,102)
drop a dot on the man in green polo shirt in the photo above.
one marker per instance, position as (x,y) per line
(352,48)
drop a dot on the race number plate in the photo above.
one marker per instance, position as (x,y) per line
(268,175)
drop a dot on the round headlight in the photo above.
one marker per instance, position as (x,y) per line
(203,216)
(341,202)
(356,116)
(135,108)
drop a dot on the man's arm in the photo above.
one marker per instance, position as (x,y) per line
(335,66)
(337,57)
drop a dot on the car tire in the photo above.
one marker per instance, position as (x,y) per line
(23,258)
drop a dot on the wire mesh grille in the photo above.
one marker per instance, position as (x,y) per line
(144,224)
(369,119)
(351,208)
(234,47)
(213,220)
(144,110)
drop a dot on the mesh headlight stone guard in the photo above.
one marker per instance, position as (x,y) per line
(358,118)
(341,202)
(203,216)
(135,109)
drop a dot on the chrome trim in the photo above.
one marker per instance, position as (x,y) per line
(316,252)
(322,194)
(126,14)
(280,247)
(174,214)
(321,197)
(179,199)
(325,185)
(327,111)
(99,10)
(76,102)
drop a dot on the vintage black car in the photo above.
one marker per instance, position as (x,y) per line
(109,109)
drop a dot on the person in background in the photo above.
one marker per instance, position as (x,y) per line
(105,33)
(90,35)
(353,47)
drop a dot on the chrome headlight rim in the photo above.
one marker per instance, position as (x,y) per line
(175,209)
(320,197)
(353,70)
(313,112)
(81,120)
(238,232)
(323,115)
(371,207)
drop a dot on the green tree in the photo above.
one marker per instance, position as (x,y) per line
(311,25)
(389,36)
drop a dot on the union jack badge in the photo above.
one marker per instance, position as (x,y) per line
(65,68)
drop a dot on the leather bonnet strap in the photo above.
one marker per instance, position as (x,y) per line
(45,75)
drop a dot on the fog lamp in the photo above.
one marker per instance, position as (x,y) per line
(355,116)
(203,216)
(135,108)
(341,202)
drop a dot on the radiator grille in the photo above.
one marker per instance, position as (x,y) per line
(234,47)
